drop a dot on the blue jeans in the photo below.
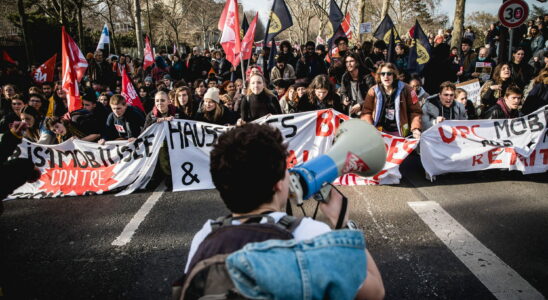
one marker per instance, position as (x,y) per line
(331,265)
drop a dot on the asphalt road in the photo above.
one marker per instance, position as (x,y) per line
(62,248)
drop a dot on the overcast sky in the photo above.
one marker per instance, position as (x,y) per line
(446,6)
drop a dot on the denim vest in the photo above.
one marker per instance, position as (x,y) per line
(329,266)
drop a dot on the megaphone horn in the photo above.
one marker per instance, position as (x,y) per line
(358,148)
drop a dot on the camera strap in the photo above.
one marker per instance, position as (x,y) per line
(342,213)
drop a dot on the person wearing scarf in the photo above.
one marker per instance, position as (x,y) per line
(508,106)
(391,105)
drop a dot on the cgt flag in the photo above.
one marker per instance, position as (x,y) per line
(419,53)
(74,68)
(247,42)
(230,38)
(129,93)
(45,72)
(280,19)
(149,58)
(384,29)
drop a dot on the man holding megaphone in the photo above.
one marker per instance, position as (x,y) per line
(249,169)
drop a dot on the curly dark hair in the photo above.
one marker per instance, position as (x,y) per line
(246,163)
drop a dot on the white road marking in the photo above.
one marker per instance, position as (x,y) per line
(129,230)
(495,274)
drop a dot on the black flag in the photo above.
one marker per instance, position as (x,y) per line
(419,53)
(391,57)
(272,56)
(280,19)
(384,29)
(244,28)
(336,18)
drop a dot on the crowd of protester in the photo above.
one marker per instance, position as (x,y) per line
(359,81)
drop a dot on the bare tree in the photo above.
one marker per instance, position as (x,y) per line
(24,29)
(138,29)
(79,6)
(362,16)
(458,23)
(385,8)
(205,15)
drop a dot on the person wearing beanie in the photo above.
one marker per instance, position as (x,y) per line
(213,111)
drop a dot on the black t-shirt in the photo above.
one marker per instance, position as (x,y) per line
(388,113)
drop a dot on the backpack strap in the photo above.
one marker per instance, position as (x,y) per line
(290,223)
(227,220)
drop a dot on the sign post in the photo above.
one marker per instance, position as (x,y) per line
(512,14)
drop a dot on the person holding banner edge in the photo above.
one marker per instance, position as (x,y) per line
(391,105)
(442,107)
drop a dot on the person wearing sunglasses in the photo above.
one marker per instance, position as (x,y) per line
(391,105)
(443,107)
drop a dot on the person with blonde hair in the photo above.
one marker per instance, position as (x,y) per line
(259,101)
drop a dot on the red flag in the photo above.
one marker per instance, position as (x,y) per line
(412,32)
(74,68)
(346,26)
(222,19)
(247,43)
(7,57)
(45,71)
(334,53)
(230,38)
(129,93)
(149,58)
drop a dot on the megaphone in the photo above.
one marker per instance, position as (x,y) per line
(358,148)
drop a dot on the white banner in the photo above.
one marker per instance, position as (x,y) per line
(82,168)
(308,135)
(464,146)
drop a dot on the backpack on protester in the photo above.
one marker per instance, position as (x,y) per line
(207,276)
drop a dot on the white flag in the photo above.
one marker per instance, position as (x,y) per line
(104,39)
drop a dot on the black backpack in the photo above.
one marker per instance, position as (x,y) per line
(207,276)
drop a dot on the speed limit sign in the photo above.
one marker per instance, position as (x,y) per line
(513,13)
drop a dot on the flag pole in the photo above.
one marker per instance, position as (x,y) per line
(243,73)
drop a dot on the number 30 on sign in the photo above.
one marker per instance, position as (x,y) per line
(513,13)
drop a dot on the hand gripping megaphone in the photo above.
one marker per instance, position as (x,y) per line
(358,148)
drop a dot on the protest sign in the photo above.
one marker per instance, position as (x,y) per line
(82,168)
(464,146)
(484,70)
(472,87)
(365,28)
